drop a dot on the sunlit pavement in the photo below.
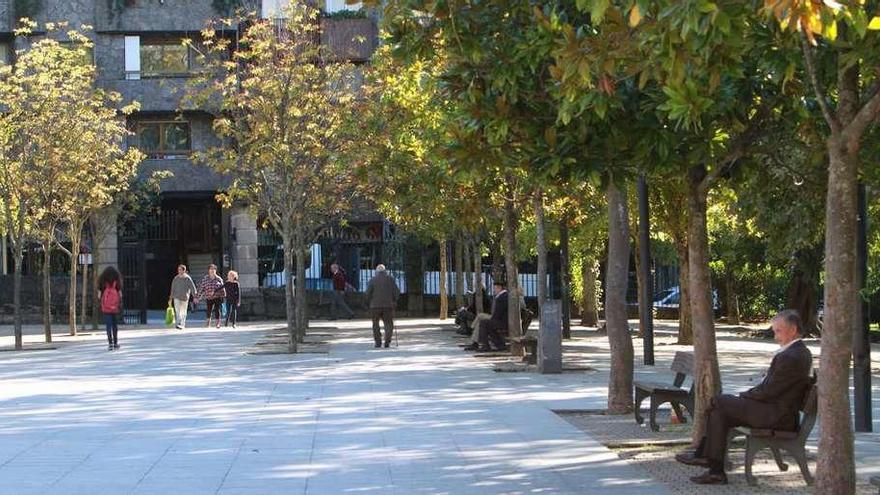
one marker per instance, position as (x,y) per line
(188,412)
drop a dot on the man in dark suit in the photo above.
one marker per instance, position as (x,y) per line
(773,404)
(495,327)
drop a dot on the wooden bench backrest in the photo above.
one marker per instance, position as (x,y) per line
(809,409)
(683,366)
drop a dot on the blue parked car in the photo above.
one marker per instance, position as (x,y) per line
(671,297)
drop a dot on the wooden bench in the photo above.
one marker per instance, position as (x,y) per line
(529,338)
(660,393)
(875,480)
(793,442)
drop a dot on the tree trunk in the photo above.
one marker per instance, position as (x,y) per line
(468,260)
(96,262)
(685,322)
(459,272)
(18,254)
(300,293)
(510,226)
(565,278)
(84,297)
(478,277)
(289,300)
(835,471)
(590,317)
(803,286)
(444,299)
(639,280)
(732,300)
(75,239)
(47,291)
(707,377)
(620,398)
(497,257)
(541,231)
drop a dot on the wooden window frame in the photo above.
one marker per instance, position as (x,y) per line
(162,153)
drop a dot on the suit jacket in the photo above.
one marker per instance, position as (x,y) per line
(499,308)
(382,292)
(782,390)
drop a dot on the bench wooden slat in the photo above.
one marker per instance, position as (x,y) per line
(767,433)
(660,387)
(683,363)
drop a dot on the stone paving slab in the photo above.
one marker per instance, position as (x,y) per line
(190,412)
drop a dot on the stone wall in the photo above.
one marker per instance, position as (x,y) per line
(5,16)
(268,304)
(32,299)
(154,15)
(75,12)
(350,39)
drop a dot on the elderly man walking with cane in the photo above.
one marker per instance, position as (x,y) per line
(382,294)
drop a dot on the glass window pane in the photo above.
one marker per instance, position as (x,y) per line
(5,53)
(177,137)
(166,59)
(148,137)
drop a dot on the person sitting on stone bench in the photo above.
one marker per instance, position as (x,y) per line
(772,404)
(493,328)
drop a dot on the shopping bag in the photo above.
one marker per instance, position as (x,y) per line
(169,316)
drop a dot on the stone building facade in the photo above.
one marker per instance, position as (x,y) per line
(138,53)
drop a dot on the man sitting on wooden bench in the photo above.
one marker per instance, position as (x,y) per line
(493,328)
(773,404)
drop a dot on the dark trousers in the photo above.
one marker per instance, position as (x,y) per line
(112,328)
(338,304)
(387,317)
(729,411)
(212,308)
(231,312)
(492,331)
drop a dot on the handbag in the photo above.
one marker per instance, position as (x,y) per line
(169,315)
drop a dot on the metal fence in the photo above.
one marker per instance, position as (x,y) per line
(527,281)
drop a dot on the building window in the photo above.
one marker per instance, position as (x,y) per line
(5,53)
(164,140)
(166,58)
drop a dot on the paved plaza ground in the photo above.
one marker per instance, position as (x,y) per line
(196,411)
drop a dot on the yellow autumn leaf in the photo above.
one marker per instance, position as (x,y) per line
(874,25)
(635,16)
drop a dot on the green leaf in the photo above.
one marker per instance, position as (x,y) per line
(598,9)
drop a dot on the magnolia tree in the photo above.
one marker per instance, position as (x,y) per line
(61,148)
(283,106)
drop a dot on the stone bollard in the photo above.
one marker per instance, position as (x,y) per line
(550,337)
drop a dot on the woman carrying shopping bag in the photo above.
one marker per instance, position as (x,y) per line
(182,287)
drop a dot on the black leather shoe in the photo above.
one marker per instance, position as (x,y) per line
(377,346)
(691,460)
(710,478)
(484,349)
(472,347)
(387,344)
